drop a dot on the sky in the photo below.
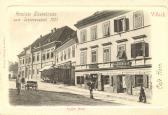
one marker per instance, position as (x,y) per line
(22,33)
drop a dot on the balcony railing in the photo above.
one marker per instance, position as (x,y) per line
(117,64)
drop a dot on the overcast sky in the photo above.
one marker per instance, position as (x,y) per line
(22,34)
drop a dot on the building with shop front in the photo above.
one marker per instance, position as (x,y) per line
(114,48)
(40,54)
(66,60)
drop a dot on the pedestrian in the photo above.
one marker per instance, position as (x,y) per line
(91,87)
(18,84)
(23,82)
(142,96)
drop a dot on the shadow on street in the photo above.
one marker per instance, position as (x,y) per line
(40,97)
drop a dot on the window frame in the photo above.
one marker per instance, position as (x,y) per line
(96,55)
(109,58)
(104,31)
(93,32)
(135,20)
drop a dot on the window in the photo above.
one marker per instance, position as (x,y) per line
(62,56)
(29,59)
(138,19)
(93,32)
(23,61)
(37,71)
(83,35)
(106,79)
(138,80)
(43,56)
(112,82)
(121,52)
(94,56)
(52,54)
(80,79)
(83,57)
(69,53)
(65,55)
(121,25)
(38,57)
(106,29)
(73,51)
(106,54)
(48,55)
(33,58)
(139,49)
(33,71)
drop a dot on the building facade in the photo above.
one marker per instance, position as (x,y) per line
(41,53)
(65,58)
(114,48)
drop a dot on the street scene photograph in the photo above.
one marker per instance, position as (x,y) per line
(79,58)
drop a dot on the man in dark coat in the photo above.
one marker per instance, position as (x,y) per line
(142,96)
(91,87)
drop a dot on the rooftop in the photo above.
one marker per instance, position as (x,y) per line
(98,16)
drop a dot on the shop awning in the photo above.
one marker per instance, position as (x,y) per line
(46,68)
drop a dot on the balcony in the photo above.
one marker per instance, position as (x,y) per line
(123,64)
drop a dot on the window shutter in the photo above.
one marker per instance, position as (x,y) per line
(120,25)
(146,50)
(115,25)
(133,50)
(145,81)
(127,24)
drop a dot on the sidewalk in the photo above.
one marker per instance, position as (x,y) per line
(117,97)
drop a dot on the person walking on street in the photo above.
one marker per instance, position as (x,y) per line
(142,96)
(91,87)
(18,84)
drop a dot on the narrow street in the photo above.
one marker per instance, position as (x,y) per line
(61,95)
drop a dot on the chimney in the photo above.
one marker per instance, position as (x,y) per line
(52,31)
(55,29)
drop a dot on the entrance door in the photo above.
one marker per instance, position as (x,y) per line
(119,84)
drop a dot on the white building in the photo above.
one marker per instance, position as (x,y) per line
(114,48)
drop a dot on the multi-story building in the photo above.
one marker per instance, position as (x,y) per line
(40,54)
(66,60)
(114,49)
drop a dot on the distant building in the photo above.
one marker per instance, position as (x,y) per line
(114,48)
(40,53)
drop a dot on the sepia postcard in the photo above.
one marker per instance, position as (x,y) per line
(84,60)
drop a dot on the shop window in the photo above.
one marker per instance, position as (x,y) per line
(80,79)
(106,80)
(138,19)
(93,32)
(121,52)
(106,29)
(138,80)
(83,36)
(139,49)
(121,25)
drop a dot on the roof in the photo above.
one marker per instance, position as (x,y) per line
(60,34)
(98,16)
(21,54)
